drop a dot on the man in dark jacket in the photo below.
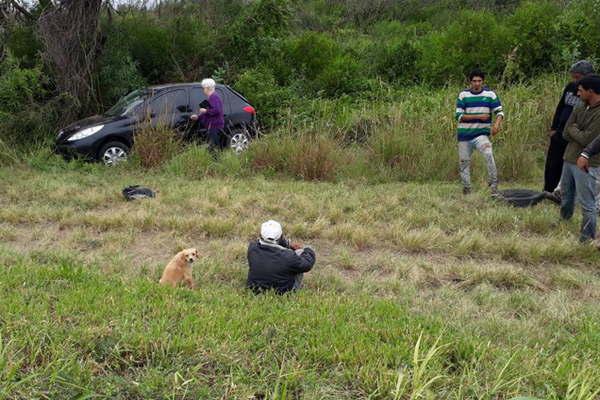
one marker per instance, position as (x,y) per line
(274,263)
(581,129)
(556,150)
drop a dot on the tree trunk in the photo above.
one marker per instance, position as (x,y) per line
(70,32)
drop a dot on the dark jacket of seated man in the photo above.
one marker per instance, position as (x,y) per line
(273,266)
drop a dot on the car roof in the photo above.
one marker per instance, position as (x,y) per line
(178,85)
(166,86)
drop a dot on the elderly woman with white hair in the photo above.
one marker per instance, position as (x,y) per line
(212,116)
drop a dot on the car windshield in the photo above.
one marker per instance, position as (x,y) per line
(126,105)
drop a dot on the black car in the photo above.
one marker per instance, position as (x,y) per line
(110,136)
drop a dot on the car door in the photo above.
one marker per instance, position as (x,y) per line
(197,96)
(170,109)
(226,106)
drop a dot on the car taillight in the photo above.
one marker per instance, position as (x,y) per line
(250,110)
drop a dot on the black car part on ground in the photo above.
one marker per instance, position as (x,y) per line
(521,197)
(136,192)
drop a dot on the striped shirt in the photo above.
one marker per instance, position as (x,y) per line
(469,103)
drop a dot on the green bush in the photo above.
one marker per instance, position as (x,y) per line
(310,53)
(28,115)
(24,45)
(578,28)
(475,39)
(149,45)
(343,75)
(271,100)
(535,36)
(196,50)
(19,86)
(255,34)
(118,74)
(318,15)
(397,61)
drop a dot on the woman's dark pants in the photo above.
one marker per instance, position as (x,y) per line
(554,162)
(214,139)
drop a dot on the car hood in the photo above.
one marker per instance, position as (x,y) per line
(86,123)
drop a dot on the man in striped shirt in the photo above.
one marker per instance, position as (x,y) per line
(474,109)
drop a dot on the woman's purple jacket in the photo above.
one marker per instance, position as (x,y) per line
(213,117)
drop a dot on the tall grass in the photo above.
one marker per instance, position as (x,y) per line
(154,145)
(511,295)
(194,162)
(308,156)
(8,155)
(404,136)
(417,383)
(413,138)
(409,136)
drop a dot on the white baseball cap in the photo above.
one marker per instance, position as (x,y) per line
(271,231)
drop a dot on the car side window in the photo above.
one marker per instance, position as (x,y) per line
(197,96)
(236,102)
(225,100)
(169,104)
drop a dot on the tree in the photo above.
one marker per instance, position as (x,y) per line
(70,32)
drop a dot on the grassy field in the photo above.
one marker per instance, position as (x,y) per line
(407,135)
(418,292)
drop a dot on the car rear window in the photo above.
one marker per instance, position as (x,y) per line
(237,103)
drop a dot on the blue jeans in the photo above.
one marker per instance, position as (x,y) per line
(298,282)
(580,185)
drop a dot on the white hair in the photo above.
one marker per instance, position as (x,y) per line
(208,83)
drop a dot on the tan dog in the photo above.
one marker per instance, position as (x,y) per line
(179,269)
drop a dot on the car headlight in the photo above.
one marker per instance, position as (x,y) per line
(85,133)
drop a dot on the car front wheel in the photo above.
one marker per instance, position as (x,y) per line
(113,153)
(239,140)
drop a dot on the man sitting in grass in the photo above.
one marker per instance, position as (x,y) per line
(581,129)
(274,263)
(474,109)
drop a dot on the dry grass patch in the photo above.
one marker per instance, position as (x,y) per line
(154,145)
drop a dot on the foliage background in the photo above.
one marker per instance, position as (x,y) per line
(294,59)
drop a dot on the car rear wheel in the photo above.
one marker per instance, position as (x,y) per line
(113,153)
(239,140)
